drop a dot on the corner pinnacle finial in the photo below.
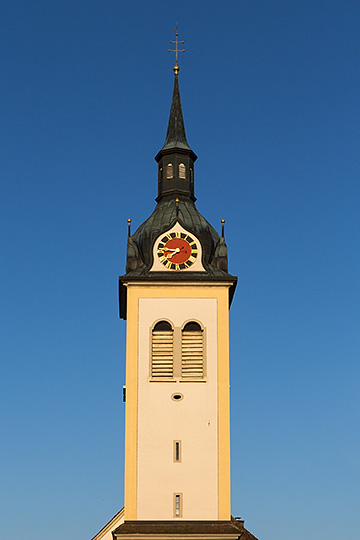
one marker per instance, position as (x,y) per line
(223,228)
(176,50)
(129,226)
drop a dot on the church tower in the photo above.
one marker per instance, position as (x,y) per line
(175,297)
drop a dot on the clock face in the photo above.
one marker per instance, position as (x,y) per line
(177,250)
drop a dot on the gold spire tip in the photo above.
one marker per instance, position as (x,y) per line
(223,221)
(129,220)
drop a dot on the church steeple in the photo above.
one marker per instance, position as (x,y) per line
(176,159)
(175,205)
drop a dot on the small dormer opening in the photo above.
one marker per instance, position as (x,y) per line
(169,171)
(182,171)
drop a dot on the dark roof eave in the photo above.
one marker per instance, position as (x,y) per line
(178,277)
(171,278)
(175,150)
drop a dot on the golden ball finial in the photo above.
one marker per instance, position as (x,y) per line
(177,200)
(129,220)
(223,221)
(176,69)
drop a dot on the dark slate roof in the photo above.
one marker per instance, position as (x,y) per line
(165,215)
(180,529)
(175,136)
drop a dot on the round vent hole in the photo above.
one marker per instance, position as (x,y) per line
(177,397)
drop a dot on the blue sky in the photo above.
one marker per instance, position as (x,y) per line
(270,94)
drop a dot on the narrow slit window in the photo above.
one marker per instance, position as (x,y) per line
(169,171)
(177,505)
(192,351)
(162,351)
(182,171)
(177,451)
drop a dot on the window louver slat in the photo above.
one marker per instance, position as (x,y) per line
(162,354)
(192,354)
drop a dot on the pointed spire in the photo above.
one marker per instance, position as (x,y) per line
(175,136)
(176,159)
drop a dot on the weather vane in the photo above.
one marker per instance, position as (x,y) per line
(176,50)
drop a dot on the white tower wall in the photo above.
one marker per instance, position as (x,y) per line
(193,421)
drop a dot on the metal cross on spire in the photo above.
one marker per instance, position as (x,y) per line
(176,50)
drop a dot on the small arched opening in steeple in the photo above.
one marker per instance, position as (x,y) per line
(182,171)
(169,171)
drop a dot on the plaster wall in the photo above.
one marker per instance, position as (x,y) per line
(192,420)
(200,420)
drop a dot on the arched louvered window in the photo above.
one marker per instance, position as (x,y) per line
(182,171)
(162,350)
(169,171)
(192,351)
